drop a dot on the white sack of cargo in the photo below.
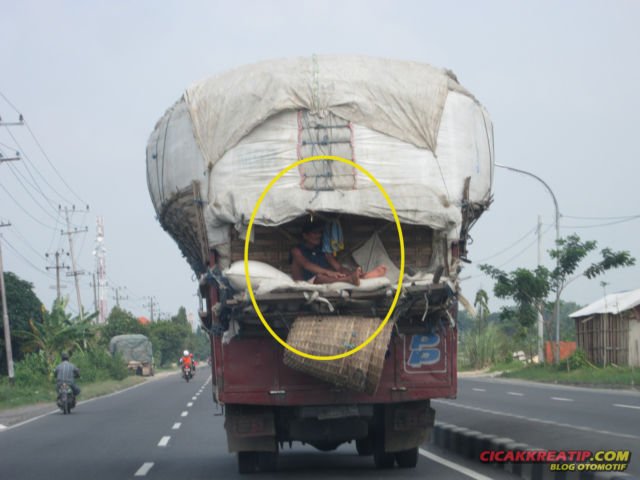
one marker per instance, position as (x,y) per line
(266,279)
(410,125)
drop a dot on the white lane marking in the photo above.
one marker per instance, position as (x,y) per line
(184,414)
(194,398)
(190,404)
(516,394)
(479,389)
(622,405)
(164,441)
(539,420)
(562,399)
(176,426)
(33,419)
(464,470)
(144,469)
(2,427)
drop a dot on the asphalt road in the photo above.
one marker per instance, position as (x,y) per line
(167,429)
(548,416)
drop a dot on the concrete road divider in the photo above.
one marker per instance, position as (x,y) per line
(471,443)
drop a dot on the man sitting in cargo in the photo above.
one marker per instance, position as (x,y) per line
(311,264)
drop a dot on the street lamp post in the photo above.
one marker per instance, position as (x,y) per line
(557,222)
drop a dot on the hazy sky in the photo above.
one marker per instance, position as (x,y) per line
(559,79)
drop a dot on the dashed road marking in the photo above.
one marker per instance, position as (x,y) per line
(562,399)
(184,414)
(516,394)
(190,404)
(622,405)
(479,389)
(164,441)
(144,469)
(538,420)
(194,398)
(465,471)
(176,426)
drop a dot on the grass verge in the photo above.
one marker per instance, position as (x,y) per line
(20,396)
(615,377)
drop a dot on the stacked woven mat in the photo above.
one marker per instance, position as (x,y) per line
(326,336)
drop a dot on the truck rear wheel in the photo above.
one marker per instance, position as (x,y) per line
(381,458)
(252,462)
(407,458)
(247,462)
(364,446)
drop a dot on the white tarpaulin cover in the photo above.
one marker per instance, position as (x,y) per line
(412,126)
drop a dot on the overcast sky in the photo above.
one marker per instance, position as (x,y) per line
(559,79)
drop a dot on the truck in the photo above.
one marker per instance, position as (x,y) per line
(332,130)
(136,350)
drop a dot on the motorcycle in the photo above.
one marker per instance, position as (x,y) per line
(66,398)
(187,373)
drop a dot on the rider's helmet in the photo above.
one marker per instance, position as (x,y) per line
(186,353)
(65,356)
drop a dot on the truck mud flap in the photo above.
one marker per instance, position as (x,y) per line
(407,425)
(250,428)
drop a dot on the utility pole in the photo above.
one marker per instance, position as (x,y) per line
(5,318)
(557,222)
(117,297)
(541,307)
(152,303)
(57,268)
(74,272)
(20,122)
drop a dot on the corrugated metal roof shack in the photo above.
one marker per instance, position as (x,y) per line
(608,330)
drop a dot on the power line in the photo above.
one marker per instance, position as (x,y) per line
(506,249)
(17,252)
(26,124)
(64,199)
(24,210)
(601,218)
(45,210)
(628,219)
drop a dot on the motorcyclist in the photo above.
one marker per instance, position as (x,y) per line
(67,372)
(187,360)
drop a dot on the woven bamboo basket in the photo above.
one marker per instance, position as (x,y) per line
(322,335)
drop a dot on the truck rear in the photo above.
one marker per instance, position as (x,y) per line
(428,143)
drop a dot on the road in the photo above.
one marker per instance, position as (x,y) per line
(167,429)
(548,416)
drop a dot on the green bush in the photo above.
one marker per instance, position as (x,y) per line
(578,359)
(33,371)
(96,364)
(488,346)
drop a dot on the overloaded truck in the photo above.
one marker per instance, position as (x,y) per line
(136,350)
(331,127)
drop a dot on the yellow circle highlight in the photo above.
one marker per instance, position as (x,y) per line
(246,258)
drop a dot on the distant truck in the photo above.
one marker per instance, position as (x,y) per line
(136,350)
(428,141)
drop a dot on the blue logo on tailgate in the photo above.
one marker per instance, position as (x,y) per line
(424,350)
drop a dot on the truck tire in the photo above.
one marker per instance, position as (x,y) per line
(268,461)
(381,458)
(364,446)
(252,462)
(248,462)
(407,458)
